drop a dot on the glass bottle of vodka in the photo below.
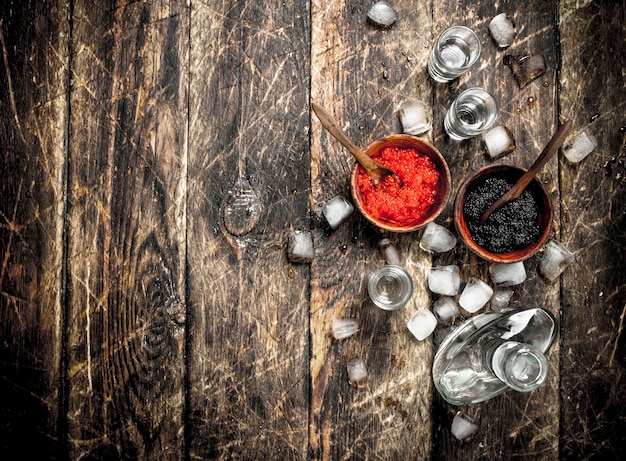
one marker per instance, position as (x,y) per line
(492,352)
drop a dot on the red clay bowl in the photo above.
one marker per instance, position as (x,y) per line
(511,174)
(442,186)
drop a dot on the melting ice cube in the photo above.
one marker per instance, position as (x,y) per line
(437,238)
(382,13)
(357,371)
(508,275)
(554,260)
(344,328)
(499,141)
(445,308)
(502,29)
(300,246)
(337,210)
(580,147)
(501,298)
(389,251)
(444,280)
(525,67)
(475,295)
(463,426)
(422,323)
(413,117)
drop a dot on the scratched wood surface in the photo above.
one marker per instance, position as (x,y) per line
(126,228)
(593,299)
(248,186)
(34,85)
(155,156)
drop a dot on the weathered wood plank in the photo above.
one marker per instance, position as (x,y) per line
(593,95)
(127,230)
(33,89)
(361,73)
(248,187)
(524,426)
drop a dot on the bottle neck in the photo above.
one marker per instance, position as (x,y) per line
(520,366)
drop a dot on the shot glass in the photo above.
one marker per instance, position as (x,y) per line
(390,287)
(472,112)
(455,51)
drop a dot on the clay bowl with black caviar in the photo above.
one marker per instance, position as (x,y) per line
(512,233)
(420,198)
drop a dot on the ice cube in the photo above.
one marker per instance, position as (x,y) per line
(499,141)
(300,246)
(357,372)
(437,238)
(382,13)
(502,29)
(337,210)
(580,147)
(501,298)
(444,280)
(422,323)
(475,295)
(445,308)
(525,67)
(463,426)
(554,260)
(413,117)
(344,328)
(391,252)
(508,275)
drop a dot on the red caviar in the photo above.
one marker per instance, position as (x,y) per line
(403,199)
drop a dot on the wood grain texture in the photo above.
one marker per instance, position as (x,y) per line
(155,156)
(248,187)
(33,88)
(513,425)
(126,221)
(361,74)
(594,198)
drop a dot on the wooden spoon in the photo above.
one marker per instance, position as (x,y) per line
(373,169)
(551,148)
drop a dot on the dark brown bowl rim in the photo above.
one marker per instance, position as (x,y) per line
(464,233)
(404,140)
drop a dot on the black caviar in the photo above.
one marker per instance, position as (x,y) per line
(511,227)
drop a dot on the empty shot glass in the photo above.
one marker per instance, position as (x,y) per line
(472,112)
(455,51)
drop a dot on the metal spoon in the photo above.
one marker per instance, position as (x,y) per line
(551,148)
(373,169)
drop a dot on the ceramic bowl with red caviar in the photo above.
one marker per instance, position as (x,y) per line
(411,198)
(512,233)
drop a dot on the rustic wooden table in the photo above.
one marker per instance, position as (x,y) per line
(155,156)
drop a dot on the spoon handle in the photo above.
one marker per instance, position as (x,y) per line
(372,168)
(551,148)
